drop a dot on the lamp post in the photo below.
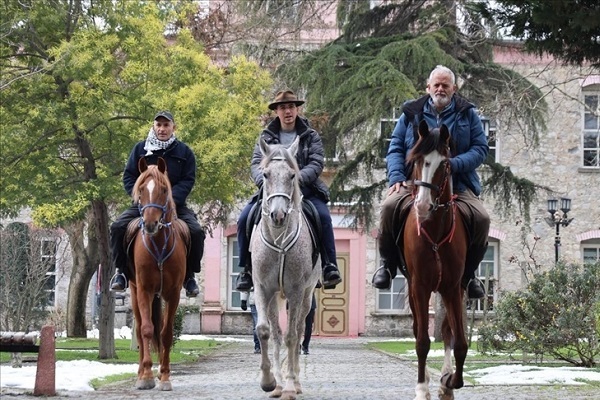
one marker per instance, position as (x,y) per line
(557,220)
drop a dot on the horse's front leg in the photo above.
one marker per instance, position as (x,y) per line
(166,337)
(454,336)
(267,379)
(145,328)
(293,346)
(419,303)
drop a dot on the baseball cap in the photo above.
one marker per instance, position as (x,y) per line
(164,114)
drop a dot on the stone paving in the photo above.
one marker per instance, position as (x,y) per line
(335,369)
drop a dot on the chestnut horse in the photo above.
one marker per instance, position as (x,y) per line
(158,260)
(435,246)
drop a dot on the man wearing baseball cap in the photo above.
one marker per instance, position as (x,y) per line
(283,130)
(181,168)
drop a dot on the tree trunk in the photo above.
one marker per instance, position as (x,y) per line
(106,322)
(81,274)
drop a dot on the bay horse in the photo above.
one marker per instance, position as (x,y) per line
(435,244)
(158,261)
(284,265)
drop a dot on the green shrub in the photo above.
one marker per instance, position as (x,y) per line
(556,315)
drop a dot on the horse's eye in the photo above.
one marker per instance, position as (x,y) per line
(292,177)
(265,175)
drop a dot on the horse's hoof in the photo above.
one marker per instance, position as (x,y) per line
(165,386)
(445,380)
(276,393)
(145,384)
(445,394)
(270,386)
(288,395)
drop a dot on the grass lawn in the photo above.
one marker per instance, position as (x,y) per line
(68,349)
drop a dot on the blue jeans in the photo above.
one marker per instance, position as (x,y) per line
(254,320)
(328,240)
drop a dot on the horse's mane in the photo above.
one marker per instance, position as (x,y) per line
(427,144)
(280,151)
(162,180)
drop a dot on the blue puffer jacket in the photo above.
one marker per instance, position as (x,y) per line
(181,168)
(466,129)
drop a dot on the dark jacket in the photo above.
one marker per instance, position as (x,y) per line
(181,168)
(470,143)
(310,157)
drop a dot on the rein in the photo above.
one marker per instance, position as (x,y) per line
(450,205)
(160,255)
(281,248)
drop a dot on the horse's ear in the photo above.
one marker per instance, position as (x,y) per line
(423,128)
(162,165)
(142,165)
(264,147)
(293,149)
(445,134)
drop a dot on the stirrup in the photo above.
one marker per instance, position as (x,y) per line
(113,280)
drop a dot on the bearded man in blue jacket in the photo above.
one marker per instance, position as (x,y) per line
(440,106)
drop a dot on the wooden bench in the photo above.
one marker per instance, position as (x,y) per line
(20,342)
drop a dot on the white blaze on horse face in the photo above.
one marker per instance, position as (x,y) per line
(424,198)
(151,186)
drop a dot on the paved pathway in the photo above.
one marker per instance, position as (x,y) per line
(335,369)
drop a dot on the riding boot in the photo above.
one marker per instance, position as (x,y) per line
(331,275)
(474,286)
(382,278)
(118,282)
(243,282)
(190,285)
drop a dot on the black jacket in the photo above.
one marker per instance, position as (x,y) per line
(310,157)
(181,168)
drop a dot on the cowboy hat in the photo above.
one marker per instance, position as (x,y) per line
(283,97)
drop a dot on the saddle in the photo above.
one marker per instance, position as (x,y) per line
(310,213)
(401,214)
(133,228)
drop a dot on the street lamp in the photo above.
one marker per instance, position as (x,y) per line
(558,220)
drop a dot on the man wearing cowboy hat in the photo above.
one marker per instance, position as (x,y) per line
(283,130)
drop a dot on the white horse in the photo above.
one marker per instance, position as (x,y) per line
(283,268)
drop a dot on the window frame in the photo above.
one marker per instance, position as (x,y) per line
(593,246)
(493,298)
(233,270)
(592,131)
(51,273)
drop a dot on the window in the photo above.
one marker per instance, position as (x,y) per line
(591,130)
(395,298)
(488,269)
(591,253)
(386,128)
(48,259)
(233,256)
(490,133)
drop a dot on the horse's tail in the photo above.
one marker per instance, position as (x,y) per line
(156,322)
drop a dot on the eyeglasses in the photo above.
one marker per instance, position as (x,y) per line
(290,106)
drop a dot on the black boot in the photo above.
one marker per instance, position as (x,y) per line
(331,275)
(191,287)
(474,286)
(475,289)
(382,278)
(243,282)
(118,283)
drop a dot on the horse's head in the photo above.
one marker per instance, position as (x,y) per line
(152,194)
(281,188)
(431,169)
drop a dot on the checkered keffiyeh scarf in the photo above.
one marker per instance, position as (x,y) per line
(153,143)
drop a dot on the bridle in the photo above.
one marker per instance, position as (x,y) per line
(436,188)
(160,254)
(284,241)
